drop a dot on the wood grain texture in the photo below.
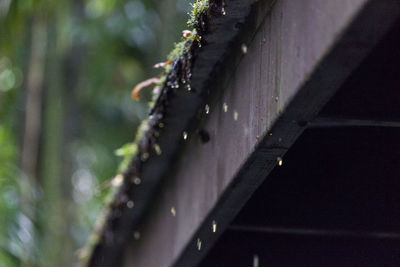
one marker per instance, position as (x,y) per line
(302,53)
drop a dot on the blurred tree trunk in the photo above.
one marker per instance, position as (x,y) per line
(51,213)
(61,128)
(73,63)
(33,115)
(34,91)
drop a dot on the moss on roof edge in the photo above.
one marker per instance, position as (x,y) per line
(219,29)
(137,152)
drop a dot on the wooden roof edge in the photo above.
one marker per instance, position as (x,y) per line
(348,51)
(175,112)
(207,189)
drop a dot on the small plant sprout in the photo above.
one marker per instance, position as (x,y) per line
(138,88)
(162,64)
(186,33)
(198,8)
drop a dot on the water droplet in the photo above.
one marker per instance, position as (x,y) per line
(130,204)
(276,99)
(223,12)
(270,134)
(185,135)
(136,235)
(225,107)
(244,49)
(157,148)
(123,198)
(173,211)
(137,180)
(246,131)
(256,261)
(145,127)
(235,115)
(157,90)
(198,244)
(280,161)
(214,226)
(189,88)
(207,109)
(117,180)
(161,124)
(145,156)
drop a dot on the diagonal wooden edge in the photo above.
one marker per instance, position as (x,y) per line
(350,46)
(179,110)
(300,56)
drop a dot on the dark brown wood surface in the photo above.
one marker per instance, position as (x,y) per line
(302,53)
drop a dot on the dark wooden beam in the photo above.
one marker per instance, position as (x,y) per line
(300,56)
(327,122)
(315,232)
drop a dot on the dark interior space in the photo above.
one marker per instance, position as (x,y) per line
(373,90)
(335,201)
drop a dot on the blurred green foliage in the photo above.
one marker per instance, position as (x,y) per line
(95,51)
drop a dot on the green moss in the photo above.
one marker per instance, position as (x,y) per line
(85,252)
(130,150)
(179,49)
(198,8)
(127,151)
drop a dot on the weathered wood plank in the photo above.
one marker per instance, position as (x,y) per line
(302,53)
